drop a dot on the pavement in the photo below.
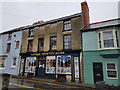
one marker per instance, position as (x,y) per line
(77,84)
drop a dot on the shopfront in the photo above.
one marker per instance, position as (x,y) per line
(52,64)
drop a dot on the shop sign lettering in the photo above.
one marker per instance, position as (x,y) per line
(47,53)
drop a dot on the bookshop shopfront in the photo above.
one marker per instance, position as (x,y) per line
(56,65)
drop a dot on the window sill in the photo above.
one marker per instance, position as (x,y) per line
(2,68)
(112,78)
(67,30)
(13,67)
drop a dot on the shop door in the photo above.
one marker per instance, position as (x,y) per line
(41,68)
(98,72)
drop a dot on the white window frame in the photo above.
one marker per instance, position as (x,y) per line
(13,66)
(102,41)
(57,64)
(112,70)
(53,68)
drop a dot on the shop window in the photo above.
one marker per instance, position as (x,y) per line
(111,70)
(2,62)
(67,25)
(108,39)
(64,64)
(30,45)
(53,43)
(30,64)
(17,44)
(50,64)
(8,47)
(41,44)
(67,41)
(14,62)
(31,32)
(9,36)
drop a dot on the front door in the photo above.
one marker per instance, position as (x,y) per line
(98,72)
(41,68)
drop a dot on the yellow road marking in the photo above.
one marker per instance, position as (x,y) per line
(26,86)
(49,83)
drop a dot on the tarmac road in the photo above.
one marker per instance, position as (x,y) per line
(26,84)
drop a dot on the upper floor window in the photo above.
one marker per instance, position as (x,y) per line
(108,39)
(30,45)
(40,44)
(9,36)
(8,47)
(31,32)
(67,25)
(53,43)
(111,70)
(17,44)
(67,41)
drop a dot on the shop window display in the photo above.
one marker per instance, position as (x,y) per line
(64,64)
(30,64)
(50,64)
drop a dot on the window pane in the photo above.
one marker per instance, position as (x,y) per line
(31,32)
(50,64)
(108,43)
(111,66)
(64,65)
(41,44)
(14,61)
(112,74)
(30,45)
(8,47)
(2,62)
(53,43)
(67,42)
(107,35)
(67,25)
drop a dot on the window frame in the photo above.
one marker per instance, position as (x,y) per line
(4,62)
(9,36)
(17,44)
(66,24)
(9,48)
(102,40)
(38,44)
(51,43)
(64,63)
(69,42)
(29,46)
(52,68)
(31,30)
(13,66)
(111,70)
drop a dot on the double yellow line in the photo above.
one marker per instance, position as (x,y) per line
(48,84)
(25,86)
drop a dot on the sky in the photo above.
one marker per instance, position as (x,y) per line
(17,13)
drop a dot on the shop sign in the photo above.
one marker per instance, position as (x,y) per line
(47,53)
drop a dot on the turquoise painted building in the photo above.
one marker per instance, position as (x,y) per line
(101,52)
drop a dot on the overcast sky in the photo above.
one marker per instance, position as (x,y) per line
(16,14)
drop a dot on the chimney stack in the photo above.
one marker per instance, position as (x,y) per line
(85,11)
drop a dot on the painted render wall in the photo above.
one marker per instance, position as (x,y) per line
(54,29)
(14,52)
(94,56)
(89,41)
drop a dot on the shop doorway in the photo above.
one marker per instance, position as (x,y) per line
(98,72)
(41,67)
